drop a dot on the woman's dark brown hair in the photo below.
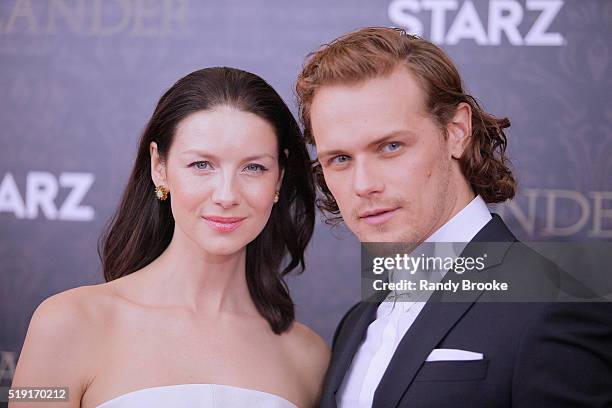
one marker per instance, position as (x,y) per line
(142,226)
(377,51)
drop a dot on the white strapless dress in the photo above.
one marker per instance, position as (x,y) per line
(197,395)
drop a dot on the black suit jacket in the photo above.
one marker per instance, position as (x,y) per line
(544,354)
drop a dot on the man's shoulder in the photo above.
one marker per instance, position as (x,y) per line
(520,252)
(355,311)
(525,263)
(349,319)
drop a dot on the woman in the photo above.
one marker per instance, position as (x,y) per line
(195,311)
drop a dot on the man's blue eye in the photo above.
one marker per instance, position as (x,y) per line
(391,147)
(340,159)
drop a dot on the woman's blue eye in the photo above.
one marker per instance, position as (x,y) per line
(255,168)
(202,165)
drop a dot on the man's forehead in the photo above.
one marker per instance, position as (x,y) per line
(399,83)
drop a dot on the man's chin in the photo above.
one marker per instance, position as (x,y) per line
(387,236)
(379,237)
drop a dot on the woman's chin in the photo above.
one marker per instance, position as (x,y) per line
(225,247)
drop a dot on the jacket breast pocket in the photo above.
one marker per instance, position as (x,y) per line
(453,370)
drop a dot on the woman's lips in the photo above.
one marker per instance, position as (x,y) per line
(380,217)
(223,224)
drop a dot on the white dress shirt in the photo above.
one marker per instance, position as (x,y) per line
(393,319)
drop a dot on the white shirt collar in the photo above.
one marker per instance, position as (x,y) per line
(464,226)
(449,241)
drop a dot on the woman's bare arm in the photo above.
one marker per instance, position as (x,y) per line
(56,351)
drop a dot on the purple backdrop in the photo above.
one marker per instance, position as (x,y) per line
(80,78)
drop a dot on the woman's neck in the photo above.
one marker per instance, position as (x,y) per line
(186,276)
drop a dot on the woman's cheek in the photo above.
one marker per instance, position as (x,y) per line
(192,186)
(260,193)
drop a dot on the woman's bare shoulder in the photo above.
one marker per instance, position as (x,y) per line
(307,341)
(78,307)
(62,337)
(311,355)
(70,319)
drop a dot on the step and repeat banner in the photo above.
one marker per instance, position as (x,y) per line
(80,78)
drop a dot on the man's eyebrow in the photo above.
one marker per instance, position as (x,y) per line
(327,153)
(390,136)
(387,137)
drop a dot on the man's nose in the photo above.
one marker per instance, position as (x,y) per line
(365,179)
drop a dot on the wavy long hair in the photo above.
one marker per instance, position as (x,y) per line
(376,51)
(142,226)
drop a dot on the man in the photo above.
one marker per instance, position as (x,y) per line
(405,155)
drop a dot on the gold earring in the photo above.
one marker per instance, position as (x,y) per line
(276,197)
(161,193)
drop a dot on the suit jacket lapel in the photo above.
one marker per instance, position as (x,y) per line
(432,324)
(437,318)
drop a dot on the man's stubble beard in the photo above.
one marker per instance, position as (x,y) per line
(419,233)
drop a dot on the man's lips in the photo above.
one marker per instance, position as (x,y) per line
(223,224)
(377,216)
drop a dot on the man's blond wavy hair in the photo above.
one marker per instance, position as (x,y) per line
(376,51)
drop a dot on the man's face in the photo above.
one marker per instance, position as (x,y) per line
(386,162)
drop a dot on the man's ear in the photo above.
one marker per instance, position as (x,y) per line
(282,172)
(459,130)
(158,168)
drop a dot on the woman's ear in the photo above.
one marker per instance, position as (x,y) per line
(158,168)
(460,130)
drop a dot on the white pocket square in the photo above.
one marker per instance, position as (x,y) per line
(453,355)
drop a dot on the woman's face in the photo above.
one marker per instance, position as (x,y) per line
(222,172)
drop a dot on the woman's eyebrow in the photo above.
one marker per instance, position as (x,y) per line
(203,153)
